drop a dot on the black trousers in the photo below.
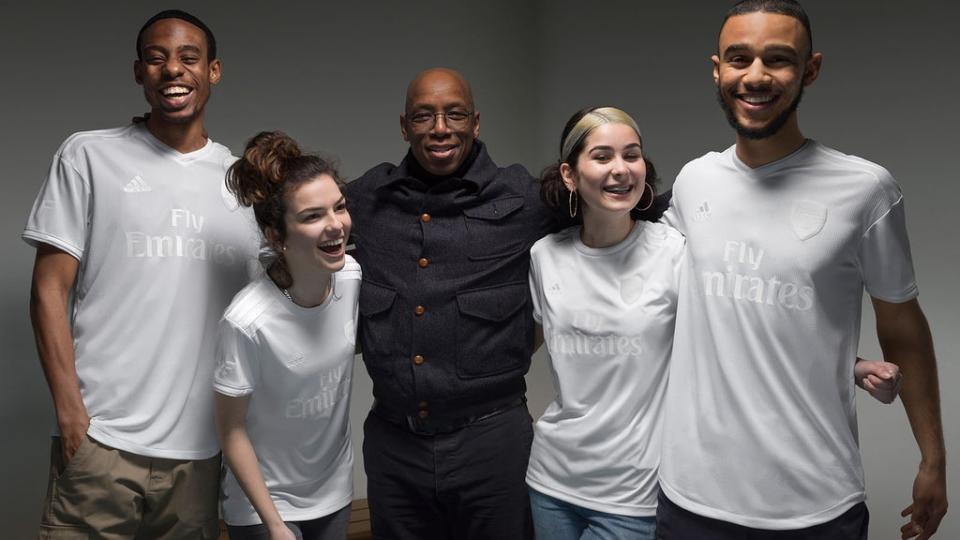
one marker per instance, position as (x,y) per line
(676,523)
(465,485)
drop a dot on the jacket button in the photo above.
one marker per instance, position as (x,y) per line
(425,217)
(419,310)
(418,359)
(423,262)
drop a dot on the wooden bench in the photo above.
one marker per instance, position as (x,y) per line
(358,529)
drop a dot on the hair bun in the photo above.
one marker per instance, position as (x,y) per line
(267,153)
(260,172)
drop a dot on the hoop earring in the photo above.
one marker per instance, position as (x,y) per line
(653,195)
(573,204)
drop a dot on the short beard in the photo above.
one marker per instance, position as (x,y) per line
(768,130)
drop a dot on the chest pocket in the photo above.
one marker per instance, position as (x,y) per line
(377,328)
(494,228)
(494,331)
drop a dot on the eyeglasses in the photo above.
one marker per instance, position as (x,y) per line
(423,121)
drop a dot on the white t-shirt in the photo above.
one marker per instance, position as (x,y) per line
(608,321)
(162,248)
(761,417)
(296,364)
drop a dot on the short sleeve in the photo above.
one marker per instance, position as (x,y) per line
(238,364)
(672,216)
(535,288)
(884,258)
(60,214)
(679,264)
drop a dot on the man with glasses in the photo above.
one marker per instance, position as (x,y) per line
(445,324)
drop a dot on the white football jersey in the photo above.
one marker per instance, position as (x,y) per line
(608,320)
(761,418)
(162,247)
(296,364)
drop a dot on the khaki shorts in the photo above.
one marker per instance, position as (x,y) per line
(111,494)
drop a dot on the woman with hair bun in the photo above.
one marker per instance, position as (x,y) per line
(285,357)
(604,293)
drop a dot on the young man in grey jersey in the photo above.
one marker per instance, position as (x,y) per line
(784,235)
(138,253)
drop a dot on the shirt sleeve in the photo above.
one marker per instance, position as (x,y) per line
(60,214)
(535,288)
(884,258)
(672,216)
(679,261)
(238,362)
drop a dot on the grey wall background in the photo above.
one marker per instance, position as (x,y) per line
(333,76)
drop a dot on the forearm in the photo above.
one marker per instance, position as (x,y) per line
(240,456)
(54,340)
(906,341)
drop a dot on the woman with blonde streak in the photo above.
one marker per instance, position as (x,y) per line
(285,357)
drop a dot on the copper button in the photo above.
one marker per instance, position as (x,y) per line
(423,414)
(419,310)
(418,359)
(425,217)
(423,262)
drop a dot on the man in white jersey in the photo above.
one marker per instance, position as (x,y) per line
(783,236)
(139,250)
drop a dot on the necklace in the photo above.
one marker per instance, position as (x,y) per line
(290,298)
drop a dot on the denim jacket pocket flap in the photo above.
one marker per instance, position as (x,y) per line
(493,303)
(375,298)
(495,209)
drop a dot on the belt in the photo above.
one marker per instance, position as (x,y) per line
(439,425)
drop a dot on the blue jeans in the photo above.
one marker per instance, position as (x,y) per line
(554,519)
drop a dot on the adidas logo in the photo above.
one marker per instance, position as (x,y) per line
(297,361)
(703,212)
(137,185)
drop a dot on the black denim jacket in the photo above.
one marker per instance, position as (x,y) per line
(446,322)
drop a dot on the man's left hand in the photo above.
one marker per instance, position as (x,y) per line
(929,503)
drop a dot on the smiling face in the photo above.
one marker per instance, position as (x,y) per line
(760,71)
(610,172)
(440,142)
(174,71)
(317,227)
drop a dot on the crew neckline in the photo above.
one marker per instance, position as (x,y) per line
(638,227)
(173,153)
(773,166)
(296,308)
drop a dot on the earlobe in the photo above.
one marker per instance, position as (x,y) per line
(403,128)
(137,76)
(566,173)
(476,125)
(715,60)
